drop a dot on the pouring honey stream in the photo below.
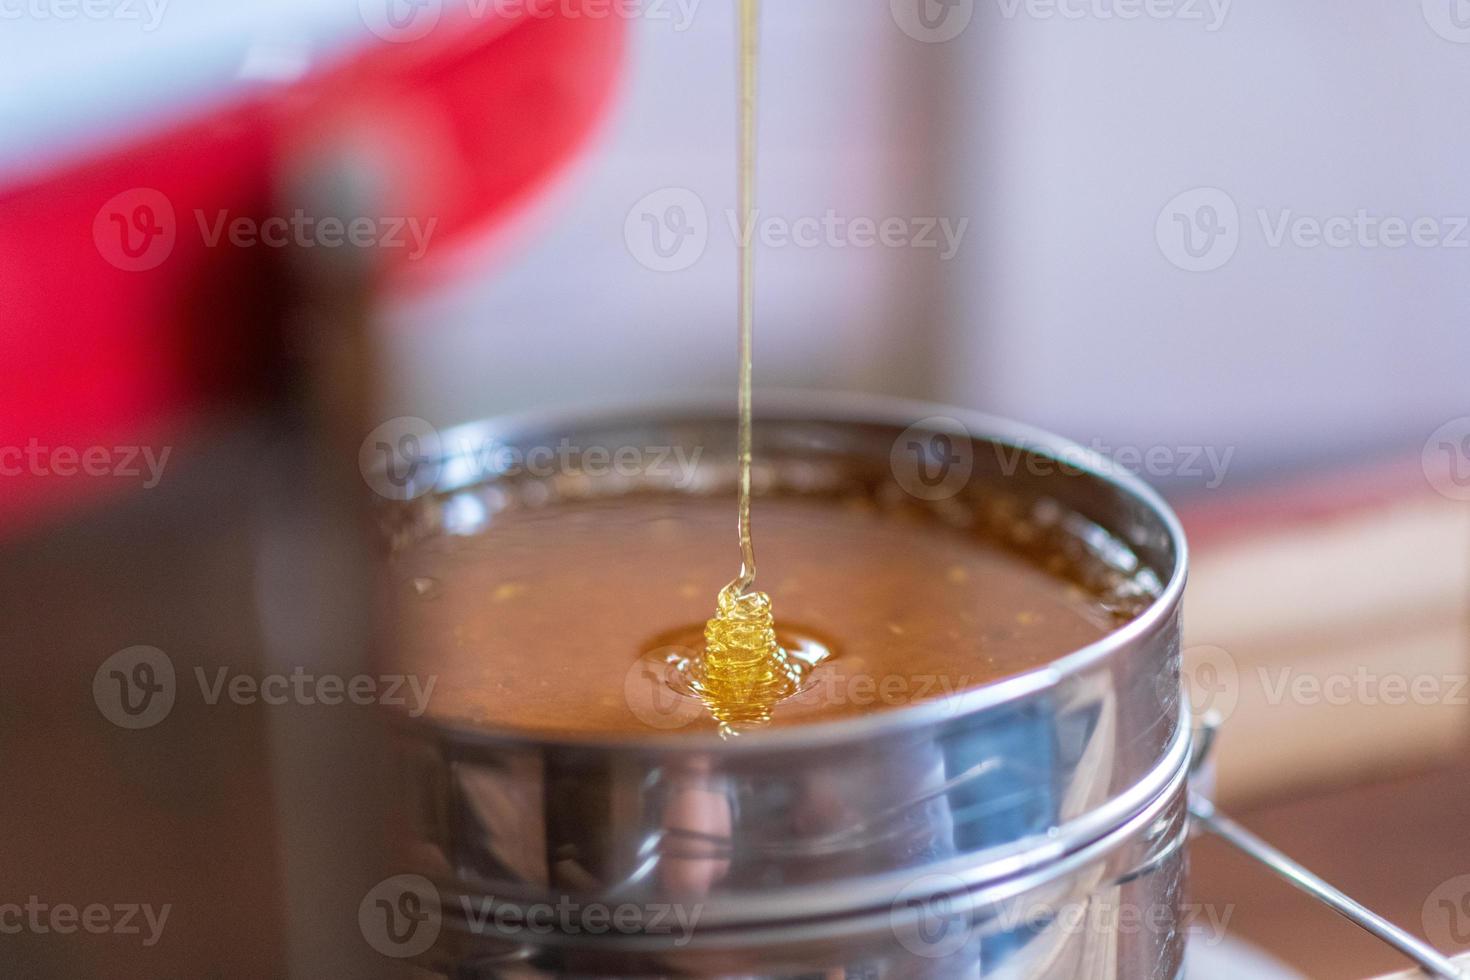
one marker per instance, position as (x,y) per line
(743,672)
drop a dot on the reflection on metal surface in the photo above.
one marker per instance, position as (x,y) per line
(1014,830)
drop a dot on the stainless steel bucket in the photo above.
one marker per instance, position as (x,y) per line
(1030,828)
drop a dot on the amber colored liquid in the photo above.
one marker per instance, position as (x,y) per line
(542,621)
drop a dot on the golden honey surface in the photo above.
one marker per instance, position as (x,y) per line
(544,621)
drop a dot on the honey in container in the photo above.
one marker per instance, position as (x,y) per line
(578,602)
(983,663)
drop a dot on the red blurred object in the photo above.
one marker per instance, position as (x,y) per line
(125,315)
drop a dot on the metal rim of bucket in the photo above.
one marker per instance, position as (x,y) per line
(1036,854)
(838,408)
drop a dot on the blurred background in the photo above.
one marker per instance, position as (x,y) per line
(1059,140)
(1225,242)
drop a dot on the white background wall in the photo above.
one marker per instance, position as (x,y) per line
(1061,139)
(572,314)
(1322,107)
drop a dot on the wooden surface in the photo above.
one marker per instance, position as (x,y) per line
(1396,845)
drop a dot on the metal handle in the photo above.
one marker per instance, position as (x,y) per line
(1203,812)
